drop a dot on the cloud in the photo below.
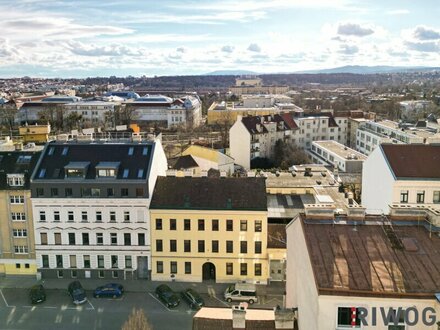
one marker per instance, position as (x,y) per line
(347,49)
(254,48)
(422,46)
(181,50)
(398,12)
(426,33)
(227,49)
(354,29)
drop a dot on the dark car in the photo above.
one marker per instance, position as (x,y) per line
(193,298)
(37,294)
(167,296)
(77,293)
(112,290)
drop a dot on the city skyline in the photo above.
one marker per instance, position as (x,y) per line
(56,38)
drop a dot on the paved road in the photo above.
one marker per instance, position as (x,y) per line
(58,312)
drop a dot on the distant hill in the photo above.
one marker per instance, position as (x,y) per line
(230,73)
(359,69)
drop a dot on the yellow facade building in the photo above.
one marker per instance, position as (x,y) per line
(35,133)
(227,113)
(17,252)
(209,229)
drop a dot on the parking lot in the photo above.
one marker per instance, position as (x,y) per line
(58,311)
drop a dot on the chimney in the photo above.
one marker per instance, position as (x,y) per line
(238,317)
(284,319)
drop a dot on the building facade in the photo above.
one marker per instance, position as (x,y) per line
(93,112)
(209,229)
(17,246)
(90,203)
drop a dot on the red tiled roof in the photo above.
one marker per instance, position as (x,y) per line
(413,161)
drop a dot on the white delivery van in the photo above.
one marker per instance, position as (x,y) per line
(241,292)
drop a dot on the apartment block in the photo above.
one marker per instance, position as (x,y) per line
(209,229)
(94,112)
(90,203)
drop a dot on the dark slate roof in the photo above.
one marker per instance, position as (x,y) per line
(250,122)
(276,236)
(9,165)
(413,161)
(209,193)
(184,162)
(54,161)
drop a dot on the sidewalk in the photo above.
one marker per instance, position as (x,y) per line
(275,288)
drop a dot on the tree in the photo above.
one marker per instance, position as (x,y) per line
(287,154)
(7,115)
(137,321)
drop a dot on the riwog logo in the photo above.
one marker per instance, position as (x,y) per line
(396,316)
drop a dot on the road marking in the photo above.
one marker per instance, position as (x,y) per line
(223,302)
(4,299)
(93,308)
(160,302)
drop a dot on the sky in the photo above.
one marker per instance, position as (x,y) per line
(81,38)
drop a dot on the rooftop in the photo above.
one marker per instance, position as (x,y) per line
(364,260)
(412,161)
(340,150)
(17,162)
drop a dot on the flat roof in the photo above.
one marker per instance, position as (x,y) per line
(226,313)
(340,150)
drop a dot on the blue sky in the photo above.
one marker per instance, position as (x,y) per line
(80,38)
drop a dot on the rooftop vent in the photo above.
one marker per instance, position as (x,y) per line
(410,244)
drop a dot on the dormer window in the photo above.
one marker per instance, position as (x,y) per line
(125,173)
(24,159)
(15,180)
(107,169)
(130,151)
(76,170)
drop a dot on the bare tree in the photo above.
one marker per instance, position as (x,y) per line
(7,115)
(137,321)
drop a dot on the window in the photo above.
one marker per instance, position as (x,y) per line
(98,216)
(436,197)
(201,246)
(144,151)
(229,268)
(201,224)
(404,196)
(16,199)
(127,239)
(124,192)
(140,173)
(141,239)
(40,192)
(214,225)
(243,225)
(173,266)
(84,216)
(214,246)
(229,247)
(65,150)
(128,263)
(19,232)
(420,196)
(18,216)
(99,238)
(43,238)
(158,224)
(59,260)
(243,268)
(45,260)
(113,238)
(187,224)
(112,216)
(86,192)
(15,180)
(68,192)
(130,151)
(110,192)
(126,216)
(125,173)
(70,216)
(42,216)
(187,267)
(257,269)
(347,316)
(100,261)
(54,192)
(72,260)
(159,245)
(100,274)
(173,224)
(57,238)
(56,216)
(258,226)
(71,238)
(114,261)
(187,245)
(60,273)
(95,192)
(229,226)
(21,249)
(86,259)
(85,238)
(159,267)
(257,247)
(173,245)
(74,273)
(243,247)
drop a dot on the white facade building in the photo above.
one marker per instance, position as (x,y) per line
(401,174)
(91,208)
(92,112)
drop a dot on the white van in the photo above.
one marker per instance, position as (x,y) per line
(241,292)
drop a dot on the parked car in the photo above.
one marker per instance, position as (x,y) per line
(77,293)
(241,292)
(167,296)
(112,290)
(37,294)
(193,298)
